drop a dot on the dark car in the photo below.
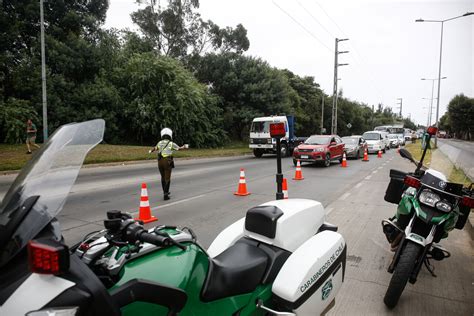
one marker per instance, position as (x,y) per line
(319,148)
(354,146)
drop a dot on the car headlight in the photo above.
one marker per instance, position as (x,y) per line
(269,140)
(429,198)
(351,149)
(251,140)
(318,149)
(444,206)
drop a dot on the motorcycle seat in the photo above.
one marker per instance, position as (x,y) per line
(237,270)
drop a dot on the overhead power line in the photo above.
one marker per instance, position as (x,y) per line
(302,26)
(315,19)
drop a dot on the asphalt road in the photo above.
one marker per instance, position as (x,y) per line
(202,198)
(461,153)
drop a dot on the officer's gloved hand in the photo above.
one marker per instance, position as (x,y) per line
(150,151)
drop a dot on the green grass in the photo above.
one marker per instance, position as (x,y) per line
(437,160)
(14,157)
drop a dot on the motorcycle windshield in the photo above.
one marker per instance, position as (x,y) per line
(40,190)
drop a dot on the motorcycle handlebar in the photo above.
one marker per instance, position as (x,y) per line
(156,240)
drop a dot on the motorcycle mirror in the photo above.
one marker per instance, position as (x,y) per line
(406,154)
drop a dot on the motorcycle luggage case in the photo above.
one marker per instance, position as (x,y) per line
(395,188)
(311,277)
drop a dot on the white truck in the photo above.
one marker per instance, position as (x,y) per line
(262,143)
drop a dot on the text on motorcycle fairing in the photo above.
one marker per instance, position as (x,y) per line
(323,269)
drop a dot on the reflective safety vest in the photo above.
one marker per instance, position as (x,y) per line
(166,147)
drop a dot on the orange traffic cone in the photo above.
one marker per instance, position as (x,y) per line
(366,155)
(379,154)
(298,173)
(344,161)
(144,213)
(284,188)
(242,189)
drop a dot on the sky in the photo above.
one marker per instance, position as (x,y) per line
(388,55)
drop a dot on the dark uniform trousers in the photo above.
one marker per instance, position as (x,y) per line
(164,165)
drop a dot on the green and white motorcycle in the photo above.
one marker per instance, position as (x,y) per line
(429,207)
(282,258)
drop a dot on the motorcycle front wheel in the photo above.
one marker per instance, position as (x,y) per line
(403,270)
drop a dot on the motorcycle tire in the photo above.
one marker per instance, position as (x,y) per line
(403,270)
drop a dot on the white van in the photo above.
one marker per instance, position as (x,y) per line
(375,141)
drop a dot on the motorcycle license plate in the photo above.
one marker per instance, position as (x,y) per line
(304,157)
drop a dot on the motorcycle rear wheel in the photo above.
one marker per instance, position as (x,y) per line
(403,270)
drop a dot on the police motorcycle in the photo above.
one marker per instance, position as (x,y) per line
(429,206)
(282,258)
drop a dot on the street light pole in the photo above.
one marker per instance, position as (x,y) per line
(43,76)
(439,67)
(432,97)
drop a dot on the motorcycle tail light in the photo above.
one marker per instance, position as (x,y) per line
(47,256)
(412,182)
(468,201)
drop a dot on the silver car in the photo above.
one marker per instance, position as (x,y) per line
(354,146)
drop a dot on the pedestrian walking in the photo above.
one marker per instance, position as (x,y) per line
(165,148)
(31,136)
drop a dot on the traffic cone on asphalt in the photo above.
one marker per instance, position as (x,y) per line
(298,173)
(242,189)
(344,161)
(284,188)
(366,155)
(379,154)
(144,213)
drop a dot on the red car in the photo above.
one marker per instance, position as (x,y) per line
(320,149)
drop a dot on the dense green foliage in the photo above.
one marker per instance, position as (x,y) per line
(180,72)
(459,119)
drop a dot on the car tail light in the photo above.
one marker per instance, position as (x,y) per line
(432,130)
(412,182)
(47,256)
(468,201)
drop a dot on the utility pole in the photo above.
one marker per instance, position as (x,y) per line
(334,91)
(322,114)
(43,76)
(400,106)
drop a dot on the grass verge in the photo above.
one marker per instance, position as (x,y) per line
(14,157)
(437,160)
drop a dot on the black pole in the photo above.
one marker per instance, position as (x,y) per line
(279,175)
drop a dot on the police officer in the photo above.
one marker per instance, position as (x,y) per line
(165,148)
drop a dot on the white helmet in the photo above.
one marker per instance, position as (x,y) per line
(167,131)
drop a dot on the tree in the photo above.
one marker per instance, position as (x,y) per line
(461,116)
(159,92)
(247,87)
(178,30)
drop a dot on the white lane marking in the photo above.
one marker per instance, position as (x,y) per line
(368,177)
(379,168)
(375,171)
(344,196)
(174,203)
(329,210)
(358,185)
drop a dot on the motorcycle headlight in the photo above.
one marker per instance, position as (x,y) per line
(444,206)
(429,198)
(318,149)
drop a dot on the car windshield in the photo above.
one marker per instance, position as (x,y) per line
(318,140)
(371,136)
(350,140)
(39,192)
(392,136)
(260,127)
